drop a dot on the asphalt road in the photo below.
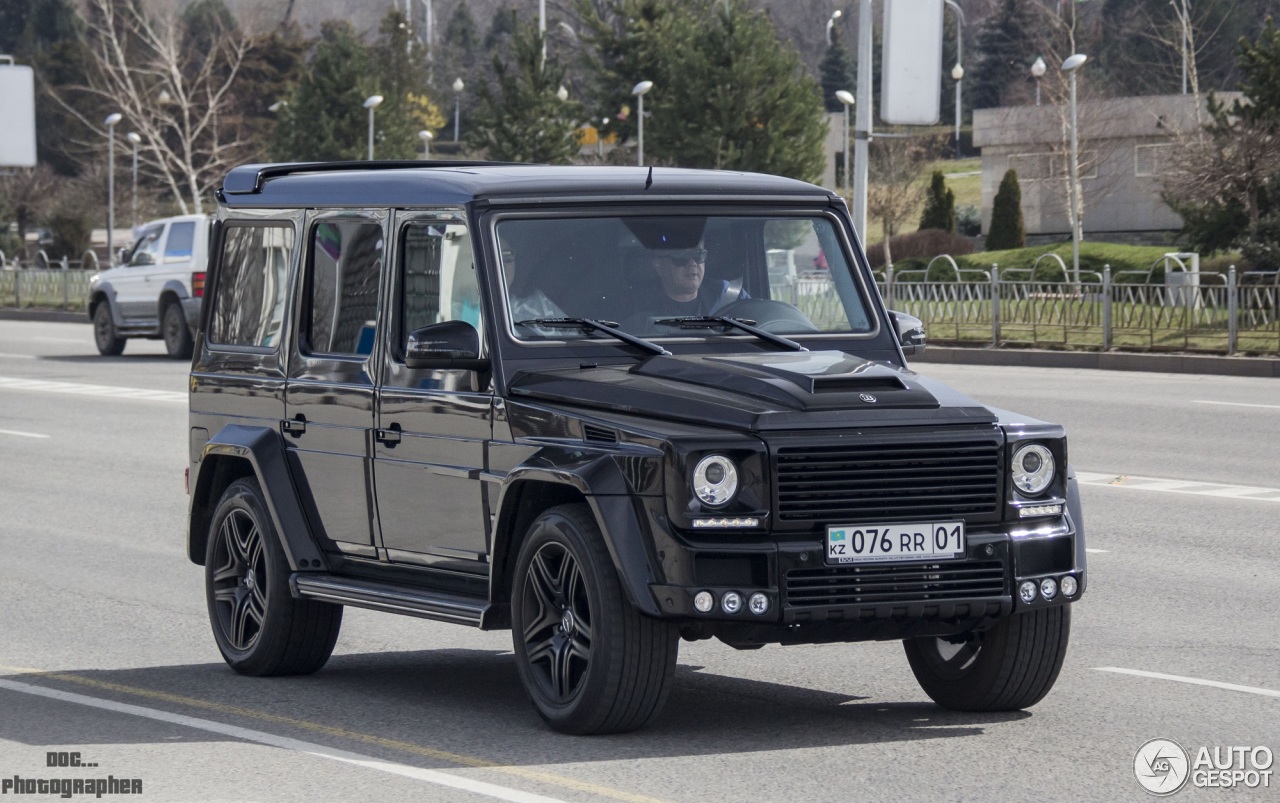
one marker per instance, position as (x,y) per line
(95,588)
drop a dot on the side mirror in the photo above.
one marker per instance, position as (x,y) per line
(448,344)
(910,332)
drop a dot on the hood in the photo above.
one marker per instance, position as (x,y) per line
(770,391)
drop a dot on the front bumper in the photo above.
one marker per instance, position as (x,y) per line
(811,601)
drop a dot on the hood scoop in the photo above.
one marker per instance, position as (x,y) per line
(797,380)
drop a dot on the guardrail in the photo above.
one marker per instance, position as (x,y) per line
(34,287)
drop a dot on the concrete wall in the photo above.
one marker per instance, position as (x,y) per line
(1123,143)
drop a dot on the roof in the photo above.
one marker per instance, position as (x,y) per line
(400,184)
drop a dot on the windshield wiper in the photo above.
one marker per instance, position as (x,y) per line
(589,324)
(709,321)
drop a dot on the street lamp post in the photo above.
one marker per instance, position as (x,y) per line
(1070,66)
(1037,72)
(111,121)
(134,140)
(639,90)
(846,99)
(425,136)
(957,72)
(604,121)
(458,86)
(372,102)
(831,23)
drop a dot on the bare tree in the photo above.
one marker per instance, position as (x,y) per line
(174,89)
(894,192)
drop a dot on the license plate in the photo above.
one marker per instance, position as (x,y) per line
(859,543)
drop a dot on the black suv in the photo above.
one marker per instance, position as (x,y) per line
(603,408)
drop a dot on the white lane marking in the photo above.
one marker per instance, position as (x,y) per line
(271,740)
(1194,681)
(1238,404)
(80,389)
(1179,486)
(1087,549)
(17,356)
(18,434)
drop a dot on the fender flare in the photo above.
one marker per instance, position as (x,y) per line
(172,286)
(602,484)
(105,290)
(1076,514)
(263,449)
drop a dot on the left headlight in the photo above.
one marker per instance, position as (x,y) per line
(715,480)
(1033,469)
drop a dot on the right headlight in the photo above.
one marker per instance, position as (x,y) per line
(1033,469)
(715,480)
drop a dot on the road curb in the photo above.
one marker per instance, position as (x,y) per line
(50,315)
(1105,361)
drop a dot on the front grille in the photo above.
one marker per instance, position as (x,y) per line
(866,585)
(874,480)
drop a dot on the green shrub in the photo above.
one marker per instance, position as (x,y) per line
(939,206)
(1006,216)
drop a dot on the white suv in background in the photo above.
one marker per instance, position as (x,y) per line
(156,290)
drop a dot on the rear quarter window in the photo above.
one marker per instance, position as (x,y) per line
(252,286)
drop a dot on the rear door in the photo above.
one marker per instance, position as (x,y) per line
(330,390)
(432,425)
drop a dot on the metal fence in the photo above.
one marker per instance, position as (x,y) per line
(1139,310)
(33,287)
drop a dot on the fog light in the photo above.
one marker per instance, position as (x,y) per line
(758,604)
(1049,588)
(704,602)
(1069,586)
(1028,592)
(731,602)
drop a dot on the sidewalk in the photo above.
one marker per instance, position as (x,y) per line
(1106,361)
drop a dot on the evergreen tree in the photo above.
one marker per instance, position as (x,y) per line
(727,93)
(400,74)
(1008,42)
(837,73)
(325,119)
(1006,216)
(939,206)
(49,36)
(520,118)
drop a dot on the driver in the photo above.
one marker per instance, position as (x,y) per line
(683,293)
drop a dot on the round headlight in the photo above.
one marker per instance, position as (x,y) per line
(715,480)
(1032,469)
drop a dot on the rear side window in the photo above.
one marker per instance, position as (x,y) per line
(342,286)
(249,303)
(177,248)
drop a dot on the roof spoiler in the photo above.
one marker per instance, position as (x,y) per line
(249,179)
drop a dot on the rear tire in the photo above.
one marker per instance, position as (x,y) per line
(177,335)
(1007,668)
(259,627)
(105,338)
(590,662)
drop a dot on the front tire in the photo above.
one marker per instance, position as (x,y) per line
(177,335)
(590,662)
(1007,668)
(258,625)
(105,338)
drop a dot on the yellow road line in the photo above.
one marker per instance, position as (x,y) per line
(342,733)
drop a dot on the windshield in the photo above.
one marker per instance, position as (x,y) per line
(786,275)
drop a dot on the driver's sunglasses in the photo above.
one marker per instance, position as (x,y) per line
(698,255)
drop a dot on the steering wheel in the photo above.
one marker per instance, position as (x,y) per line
(775,317)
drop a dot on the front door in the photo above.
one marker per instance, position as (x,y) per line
(432,424)
(135,295)
(330,391)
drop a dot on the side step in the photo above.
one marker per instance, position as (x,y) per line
(435,605)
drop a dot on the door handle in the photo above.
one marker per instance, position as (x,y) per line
(294,426)
(388,437)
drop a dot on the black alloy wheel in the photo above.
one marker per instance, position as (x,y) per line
(239,579)
(589,661)
(105,338)
(178,342)
(557,639)
(260,628)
